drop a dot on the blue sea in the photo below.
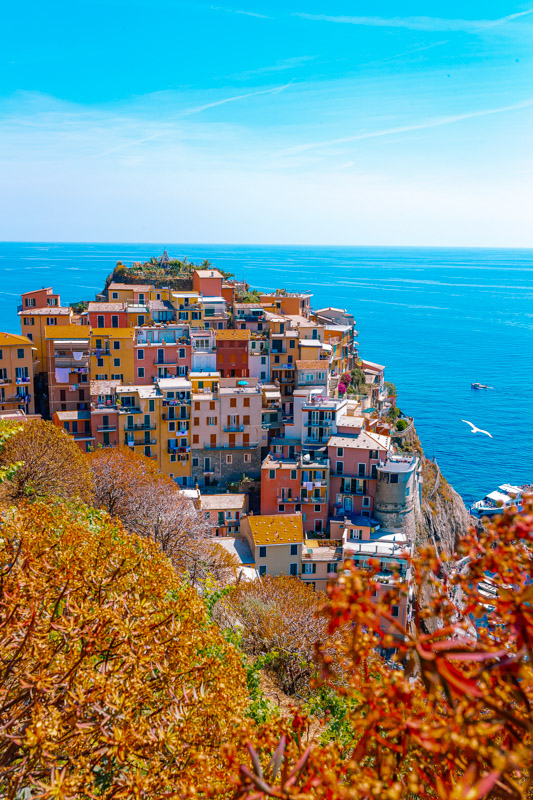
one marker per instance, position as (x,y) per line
(438,318)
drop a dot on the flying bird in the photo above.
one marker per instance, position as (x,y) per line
(477,430)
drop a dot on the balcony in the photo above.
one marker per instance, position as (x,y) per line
(178,401)
(5,381)
(313,500)
(288,500)
(173,449)
(23,381)
(233,428)
(100,353)
(129,410)
(141,426)
(173,362)
(106,428)
(249,446)
(139,442)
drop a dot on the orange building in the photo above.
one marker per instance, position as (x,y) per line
(207,282)
(296,485)
(40,311)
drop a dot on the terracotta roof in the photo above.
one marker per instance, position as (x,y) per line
(106,306)
(208,273)
(14,338)
(216,502)
(362,442)
(371,365)
(55,311)
(104,387)
(281,529)
(229,334)
(67,415)
(311,365)
(136,287)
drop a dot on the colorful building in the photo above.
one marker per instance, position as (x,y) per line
(276,543)
(17,373)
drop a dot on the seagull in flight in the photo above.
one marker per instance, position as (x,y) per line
(477,430)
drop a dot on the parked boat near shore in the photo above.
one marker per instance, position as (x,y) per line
(496,502)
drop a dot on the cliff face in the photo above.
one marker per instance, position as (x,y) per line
(443,518)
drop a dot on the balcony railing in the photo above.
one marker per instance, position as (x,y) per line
(129,410)
(138,442)
(141,426)
(100,353)
(233,428)
(249,446)
(162,363)
(311,500)
(106,428)
(23,381)
(287,500)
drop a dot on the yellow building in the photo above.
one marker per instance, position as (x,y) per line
(204,381)
(34,322)
(135,293)
(276,543)
(112,355)
(188,308)
(16,373)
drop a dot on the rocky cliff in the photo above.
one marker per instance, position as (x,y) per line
(444,518)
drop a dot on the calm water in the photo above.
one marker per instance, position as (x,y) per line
(438,318)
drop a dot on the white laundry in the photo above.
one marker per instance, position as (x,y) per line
(62,374)
(78,355)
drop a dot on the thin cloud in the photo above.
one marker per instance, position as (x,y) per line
(279,66)
(199,109)
(127,144)
(238,11)
(432,123)
(434,24)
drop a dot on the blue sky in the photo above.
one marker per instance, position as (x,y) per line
(297,122)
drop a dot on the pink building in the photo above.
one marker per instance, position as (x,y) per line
(296,485)
(108,315)
(354,463)
(161,352)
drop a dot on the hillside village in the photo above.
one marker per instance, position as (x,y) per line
(257,405)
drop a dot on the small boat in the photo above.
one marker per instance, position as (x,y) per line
(496,502)
(479,386)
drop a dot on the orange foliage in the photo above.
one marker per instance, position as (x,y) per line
(454,719)
(113,683)
(51,463)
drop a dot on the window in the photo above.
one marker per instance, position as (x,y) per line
(317,509)
(229,458)
(281,508)
(171,426)
(114,295)
(262,570)
(340,452)
(51,321)
(29,321)
(271,474)
(246,402)
(116,362)
(340,468)
(147,451)
(332,567)
(151,405)
(211,420)
(262,552)
(140,320)
(181,352)
(114,321)
(396,611)
(362,470)
(394,479)
(140,354)
(195,461)
(116,345)
(246,420)
(308,569)
(100,321)
(30,302)
(293,570)
(366,502)
(99,362)
(247,458)
(140,372)
(294,474)
(294,549)
(233,402)
(20,352)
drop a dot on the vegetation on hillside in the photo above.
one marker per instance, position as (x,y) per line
(160,272)
(118,679)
